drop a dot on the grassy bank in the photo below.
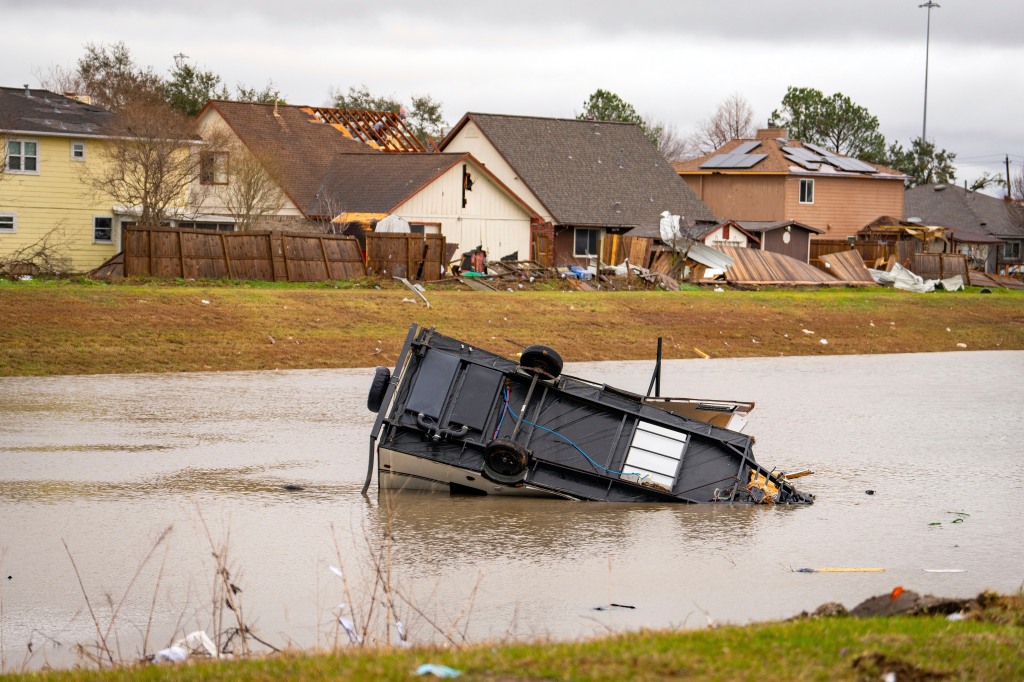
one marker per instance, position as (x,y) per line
(49,328)
(987,646)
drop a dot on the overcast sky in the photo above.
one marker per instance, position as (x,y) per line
(673,60)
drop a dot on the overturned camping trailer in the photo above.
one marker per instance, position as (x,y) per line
(455,418)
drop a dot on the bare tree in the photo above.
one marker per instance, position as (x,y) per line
(1016,190)
(149,161)
(109,75)
(47,256)
(252,191)
(733,119)
(672,145)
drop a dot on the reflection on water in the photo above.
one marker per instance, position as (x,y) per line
(274,462)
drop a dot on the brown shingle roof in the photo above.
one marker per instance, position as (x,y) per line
(304,148)
(590,173)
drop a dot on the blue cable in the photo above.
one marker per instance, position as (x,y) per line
(555,433)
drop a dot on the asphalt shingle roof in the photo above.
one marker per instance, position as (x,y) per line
(957,207)
(304,148)
(41,111)
(591,173)
(377,183)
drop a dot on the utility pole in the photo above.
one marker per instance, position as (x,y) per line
(1009,184)
(927,47)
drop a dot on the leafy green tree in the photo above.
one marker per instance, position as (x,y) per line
(190,88)
(833,121)
(424,115)
(923,163)
(604,105)
(268,94)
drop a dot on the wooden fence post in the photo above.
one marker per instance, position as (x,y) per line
(227,261)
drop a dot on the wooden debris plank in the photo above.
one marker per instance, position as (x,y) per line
(753,266)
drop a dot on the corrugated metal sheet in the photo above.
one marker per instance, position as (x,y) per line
(752,266)
(847,266)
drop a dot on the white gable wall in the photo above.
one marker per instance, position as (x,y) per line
(471,139)
(490,218)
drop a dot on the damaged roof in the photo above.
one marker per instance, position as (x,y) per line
(590,173)
(957,207)
(305,148)
(383,130)
(41,112)
(781,156)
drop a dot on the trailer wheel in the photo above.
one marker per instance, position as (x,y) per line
(541,359)
(381,378)
(506,462)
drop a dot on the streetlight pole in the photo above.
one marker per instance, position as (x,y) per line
(927,46)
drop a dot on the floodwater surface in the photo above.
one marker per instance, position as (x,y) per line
(117,491)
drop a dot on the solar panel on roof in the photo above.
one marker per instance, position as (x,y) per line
(820,150)
(750,160)
(714,161)
(802,160)
(746,147)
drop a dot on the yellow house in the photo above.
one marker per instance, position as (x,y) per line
(44,201)
(57,151)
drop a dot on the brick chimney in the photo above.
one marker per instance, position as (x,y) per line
(772,133)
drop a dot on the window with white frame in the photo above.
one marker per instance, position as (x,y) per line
(806,191)
(22,156)
(586,242)
(8,221)
(78,151)
(103,229)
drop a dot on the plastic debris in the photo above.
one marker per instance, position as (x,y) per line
(442,671)
(956,616)
(961,345)
(869,492)
(719,290)
(350,630)
(205,302)
(944,570)
(172,654)
(198,643)
(896,592)
(824,342)
(806,331)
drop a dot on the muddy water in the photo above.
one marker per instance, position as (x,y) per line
(116,490)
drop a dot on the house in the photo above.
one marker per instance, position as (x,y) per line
(771,179)
(586,179)
(728,233)
(49,140)
(987,229)
(786,237)
(335,170)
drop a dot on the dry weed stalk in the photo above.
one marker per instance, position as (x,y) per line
(101,652)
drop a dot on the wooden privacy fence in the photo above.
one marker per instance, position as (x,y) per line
(940,265)
(268,256)
(415,256)
(872,253)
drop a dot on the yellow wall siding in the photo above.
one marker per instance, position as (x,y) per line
(57,198)
(471,140)
(842,206)
(491,218)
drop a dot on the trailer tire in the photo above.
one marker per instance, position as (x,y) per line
(379,387)
(541,359)
(506,462)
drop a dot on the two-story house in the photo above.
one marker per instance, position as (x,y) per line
(49,140)
(772,179)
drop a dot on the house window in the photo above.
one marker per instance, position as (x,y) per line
(103,229)
(216,227)
(7,222)
(586,242)
(1011,251)
(213,168)
(78,151)
(22,156)
(806,191)
(425,228)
